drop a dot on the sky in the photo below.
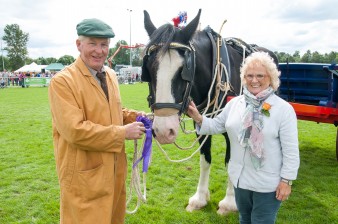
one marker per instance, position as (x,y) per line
(279,25)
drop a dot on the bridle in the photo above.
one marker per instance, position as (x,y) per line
(187,74)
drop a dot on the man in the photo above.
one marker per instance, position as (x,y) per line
(89,130)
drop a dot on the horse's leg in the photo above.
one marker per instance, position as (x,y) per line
(202,195)
(228,204)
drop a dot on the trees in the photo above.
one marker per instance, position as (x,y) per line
(66,60)
(137,56)
(308,57)
(123,56)
(4,62)
(296,56)
(332,57)
(45,61)
(16,41)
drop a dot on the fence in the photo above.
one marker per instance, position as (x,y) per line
(44,81)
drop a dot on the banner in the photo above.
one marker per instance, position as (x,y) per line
(37,81)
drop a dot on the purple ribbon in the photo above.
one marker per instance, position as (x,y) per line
(147,147)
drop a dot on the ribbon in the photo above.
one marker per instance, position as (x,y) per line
(147,146)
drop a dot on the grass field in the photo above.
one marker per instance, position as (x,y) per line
(29,191)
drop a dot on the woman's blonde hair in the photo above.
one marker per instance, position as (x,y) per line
(264,59)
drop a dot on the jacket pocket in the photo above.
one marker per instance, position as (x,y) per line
(92,183)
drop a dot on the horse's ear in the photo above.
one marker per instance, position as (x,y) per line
(148,24)
(190,29)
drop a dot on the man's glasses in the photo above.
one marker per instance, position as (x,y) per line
(258,77)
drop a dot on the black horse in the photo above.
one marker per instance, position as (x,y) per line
(179,65)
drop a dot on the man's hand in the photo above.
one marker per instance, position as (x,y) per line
(135,130)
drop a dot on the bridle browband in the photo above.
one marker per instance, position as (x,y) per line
(187,74)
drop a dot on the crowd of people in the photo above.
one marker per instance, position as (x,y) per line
(8,79)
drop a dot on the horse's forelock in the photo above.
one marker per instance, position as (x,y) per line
(164,35)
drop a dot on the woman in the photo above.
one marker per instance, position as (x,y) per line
(262,129)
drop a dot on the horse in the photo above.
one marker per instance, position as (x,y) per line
(179,65)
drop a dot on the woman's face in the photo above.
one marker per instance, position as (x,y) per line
(257,79)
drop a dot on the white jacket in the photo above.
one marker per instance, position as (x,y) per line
(280,144)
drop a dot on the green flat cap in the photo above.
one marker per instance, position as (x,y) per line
(94,28)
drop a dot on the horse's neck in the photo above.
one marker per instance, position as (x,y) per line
(217,55)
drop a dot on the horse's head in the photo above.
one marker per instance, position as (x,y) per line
(169,67)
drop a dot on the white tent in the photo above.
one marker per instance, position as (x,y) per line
(33,67)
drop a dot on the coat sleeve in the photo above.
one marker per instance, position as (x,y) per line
(289,141)
(211,126)
(70,122)
(129,116)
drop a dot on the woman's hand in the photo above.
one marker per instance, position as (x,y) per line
(283,191)
(194,114)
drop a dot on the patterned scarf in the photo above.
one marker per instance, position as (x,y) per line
(251,136)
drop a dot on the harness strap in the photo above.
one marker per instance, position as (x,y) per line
(188,75)
(239,45)
(173,45)
(220,58)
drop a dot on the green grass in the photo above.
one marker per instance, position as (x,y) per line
(29,191)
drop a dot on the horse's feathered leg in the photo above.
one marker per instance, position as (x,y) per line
(228,204)
(202,195)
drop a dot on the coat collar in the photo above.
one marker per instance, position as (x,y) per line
(82,67)
(86,73)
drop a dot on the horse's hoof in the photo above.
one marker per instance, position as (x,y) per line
(198,201)
(191,208)
(226,206)
(223,212)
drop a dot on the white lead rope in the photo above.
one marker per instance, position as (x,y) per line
(135,182)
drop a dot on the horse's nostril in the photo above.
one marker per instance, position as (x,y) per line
(153,131)
(171,132)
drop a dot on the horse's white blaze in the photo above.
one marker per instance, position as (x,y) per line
(166,128)
(168,66)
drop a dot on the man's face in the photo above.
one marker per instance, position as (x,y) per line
(93,51)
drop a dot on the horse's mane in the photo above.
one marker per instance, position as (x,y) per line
(164,35)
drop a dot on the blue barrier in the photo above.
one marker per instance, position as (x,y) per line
(309,83)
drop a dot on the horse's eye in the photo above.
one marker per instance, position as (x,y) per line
(181,52)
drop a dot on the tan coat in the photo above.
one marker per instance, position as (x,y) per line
(89,137)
